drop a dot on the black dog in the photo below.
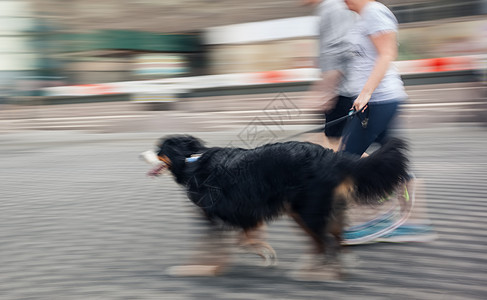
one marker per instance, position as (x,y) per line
(244,188)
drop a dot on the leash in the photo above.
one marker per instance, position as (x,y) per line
(350,115)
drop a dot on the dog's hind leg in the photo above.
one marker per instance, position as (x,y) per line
(342,194)
(253,240)
(314,226)
(335,227)
(314,221)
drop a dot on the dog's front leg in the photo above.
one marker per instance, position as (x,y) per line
(210,258)
(253,241)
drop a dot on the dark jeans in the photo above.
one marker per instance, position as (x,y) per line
(358,138)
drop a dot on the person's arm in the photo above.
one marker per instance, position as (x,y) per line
(386,46)
(322,94)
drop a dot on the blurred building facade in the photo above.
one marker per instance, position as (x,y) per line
(93,41)
(18,58)
(428,29)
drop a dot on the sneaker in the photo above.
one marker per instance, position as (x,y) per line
(369,231)
(409,233)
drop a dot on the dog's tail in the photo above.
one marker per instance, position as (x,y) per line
(379,174)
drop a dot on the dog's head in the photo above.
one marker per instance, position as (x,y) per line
(171,153)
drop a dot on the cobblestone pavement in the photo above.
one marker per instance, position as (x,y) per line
(80,220)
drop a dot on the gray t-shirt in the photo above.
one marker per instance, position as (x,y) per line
(375,18)
(335,20)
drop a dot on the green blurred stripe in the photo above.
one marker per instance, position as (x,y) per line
(130,40)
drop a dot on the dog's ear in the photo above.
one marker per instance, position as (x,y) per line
(194,144)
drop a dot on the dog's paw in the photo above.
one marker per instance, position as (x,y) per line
(321,274)
(314,267)
(268,255)
(194,270)
(264,250)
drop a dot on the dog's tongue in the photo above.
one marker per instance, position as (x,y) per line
(157,170)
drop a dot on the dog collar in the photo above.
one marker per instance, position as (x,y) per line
(193,158)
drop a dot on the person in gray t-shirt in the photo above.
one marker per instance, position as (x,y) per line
(379,91)
(372,77)
(333,89)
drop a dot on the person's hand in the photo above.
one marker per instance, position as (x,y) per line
(361,102)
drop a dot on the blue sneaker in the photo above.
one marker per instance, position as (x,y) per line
(409,233)
(392,226)
(369,231)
